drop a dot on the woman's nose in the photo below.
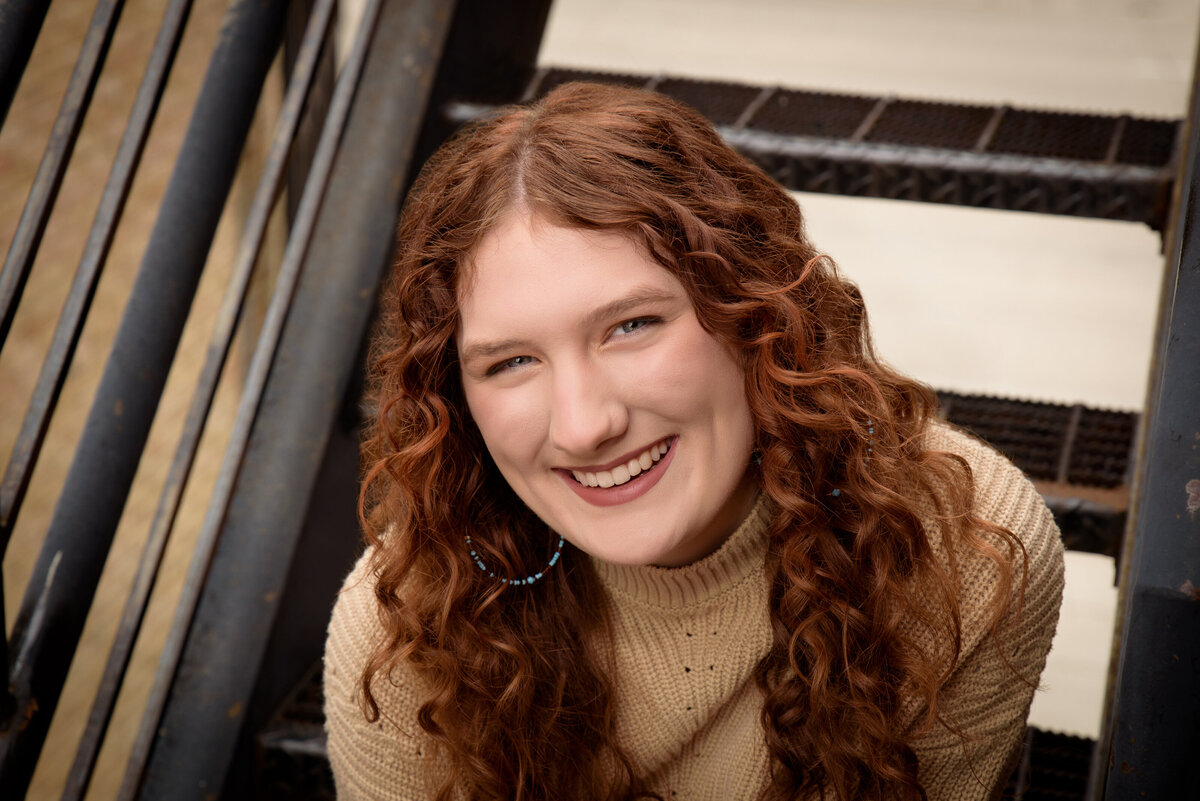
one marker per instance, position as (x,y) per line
(586,411)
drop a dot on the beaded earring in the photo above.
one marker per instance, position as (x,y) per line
(870,449)
(516,582)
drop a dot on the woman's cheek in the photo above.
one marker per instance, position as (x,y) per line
(518,419)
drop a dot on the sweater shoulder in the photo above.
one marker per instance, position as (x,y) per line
(371,758)
(1003,496)
(985,701)
(1001,493)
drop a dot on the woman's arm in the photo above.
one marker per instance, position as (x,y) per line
(376,760)
(969,753)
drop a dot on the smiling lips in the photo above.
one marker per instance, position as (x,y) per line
(622,473)
(617,485)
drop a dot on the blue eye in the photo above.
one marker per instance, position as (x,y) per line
(631,326)
(509,364)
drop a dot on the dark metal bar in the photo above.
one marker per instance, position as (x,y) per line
(1068,445)
(210,662)
(1152,734)
(64,579)
(989,131)
(20,24)
(138,765)
(1114,144)
(268,191)
(8,702)
(535,85)
(752,108)
(869,121)
(809,157)
(984,180)
(70,323)
(54,162)
(316,107)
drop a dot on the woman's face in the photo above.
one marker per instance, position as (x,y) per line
(609,410)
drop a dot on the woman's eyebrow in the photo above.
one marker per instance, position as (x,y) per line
(631,301)
(614,308)
(481,350)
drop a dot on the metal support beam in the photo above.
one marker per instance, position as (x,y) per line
(68,569)
(20,24)
(208,690)
(95,253)
(1153,731)
(50,172)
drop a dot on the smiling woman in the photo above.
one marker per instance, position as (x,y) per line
(646,518)
(603,367)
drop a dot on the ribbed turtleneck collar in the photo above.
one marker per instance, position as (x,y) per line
(677,587)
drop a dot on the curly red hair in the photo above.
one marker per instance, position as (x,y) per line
(516,695)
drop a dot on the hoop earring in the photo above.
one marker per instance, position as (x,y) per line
(516,582)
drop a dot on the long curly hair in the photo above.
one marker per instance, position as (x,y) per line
(516,697)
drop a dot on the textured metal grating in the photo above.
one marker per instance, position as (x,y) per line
(812,114)
(722,103)
(1053,767)
(1031,434)
(1101,452)
(1088,165)
(923,124)
(293,762)
(1050,441)
(546,81)
(1148,142)
(1078,137)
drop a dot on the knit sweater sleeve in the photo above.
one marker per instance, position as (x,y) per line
(380,759)
(967,754)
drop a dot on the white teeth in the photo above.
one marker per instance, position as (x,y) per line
(622,473)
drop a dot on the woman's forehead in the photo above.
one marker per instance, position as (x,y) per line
(527,270)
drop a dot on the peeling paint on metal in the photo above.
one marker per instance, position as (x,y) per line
(1193,493)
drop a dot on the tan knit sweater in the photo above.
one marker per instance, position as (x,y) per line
(685,647)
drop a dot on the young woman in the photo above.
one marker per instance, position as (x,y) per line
(646,517)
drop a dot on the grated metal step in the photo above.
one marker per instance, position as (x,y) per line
(1114,167)
(1050,441)
(1053,767)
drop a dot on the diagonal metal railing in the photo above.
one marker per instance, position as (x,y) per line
(254,233)
(64,580)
